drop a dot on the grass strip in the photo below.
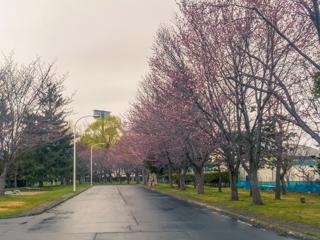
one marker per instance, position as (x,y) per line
(17,204)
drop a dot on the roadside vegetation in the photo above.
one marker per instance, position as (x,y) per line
(235,85)
(29,198)
(231,84)
(289,209)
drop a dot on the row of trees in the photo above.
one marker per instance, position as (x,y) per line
(34,135)
(113,155)
(231,80)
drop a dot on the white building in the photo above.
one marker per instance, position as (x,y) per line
(303,167)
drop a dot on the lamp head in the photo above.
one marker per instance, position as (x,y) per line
(100,113)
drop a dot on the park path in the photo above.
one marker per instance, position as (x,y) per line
(129,212)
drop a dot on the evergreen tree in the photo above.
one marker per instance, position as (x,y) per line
(52,160)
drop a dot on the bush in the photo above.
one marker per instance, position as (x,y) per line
(210,178)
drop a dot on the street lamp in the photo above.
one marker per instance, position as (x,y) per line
(96,114)
(96,144)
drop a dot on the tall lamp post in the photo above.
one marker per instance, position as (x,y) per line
(96,144)
(96,114)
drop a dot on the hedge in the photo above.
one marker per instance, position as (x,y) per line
(210,178)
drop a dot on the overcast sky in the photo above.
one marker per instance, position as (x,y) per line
(103,45)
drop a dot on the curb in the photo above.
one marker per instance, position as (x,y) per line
(48,205)
(249,220)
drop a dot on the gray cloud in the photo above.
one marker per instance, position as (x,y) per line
(102,44)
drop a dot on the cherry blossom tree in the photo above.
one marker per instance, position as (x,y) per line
(295,74)
(215,75)
(126,158)
(165,109)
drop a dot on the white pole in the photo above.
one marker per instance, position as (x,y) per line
(75,151)
(91,167)
(74,158)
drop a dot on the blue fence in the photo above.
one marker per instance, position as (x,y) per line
(291,186)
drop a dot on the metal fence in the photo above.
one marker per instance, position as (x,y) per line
(291,186)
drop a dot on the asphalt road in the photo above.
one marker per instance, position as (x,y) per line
(129,213)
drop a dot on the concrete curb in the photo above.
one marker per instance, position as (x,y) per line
(282,231)
(49,205)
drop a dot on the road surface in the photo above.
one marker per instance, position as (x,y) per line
(128,213)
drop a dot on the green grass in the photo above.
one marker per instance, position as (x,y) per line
(288,208)
(12,205)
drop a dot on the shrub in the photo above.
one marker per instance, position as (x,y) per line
(210,178)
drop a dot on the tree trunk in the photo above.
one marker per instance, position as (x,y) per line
(279,161)
(170,176)
(219,180)
(144,177)
(277,192)
(256,197)
(101,176)
(178,176)
(3,177)
(105,177)
(248,178)
(2,183)
(128,178)
(249,181)
(233,186)
(283,183)
(199,177)
(119,178)
(137,177)
(40,183)
(15,178)
(182,179)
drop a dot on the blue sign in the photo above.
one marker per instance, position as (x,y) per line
(100,113)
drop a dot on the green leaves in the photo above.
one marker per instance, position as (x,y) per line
(104,130)
(316,85)
(47,162)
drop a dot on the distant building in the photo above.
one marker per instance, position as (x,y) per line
(303,167)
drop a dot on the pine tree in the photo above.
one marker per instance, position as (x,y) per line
(51,160)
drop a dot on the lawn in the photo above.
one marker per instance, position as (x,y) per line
(288,209)
(12,205)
